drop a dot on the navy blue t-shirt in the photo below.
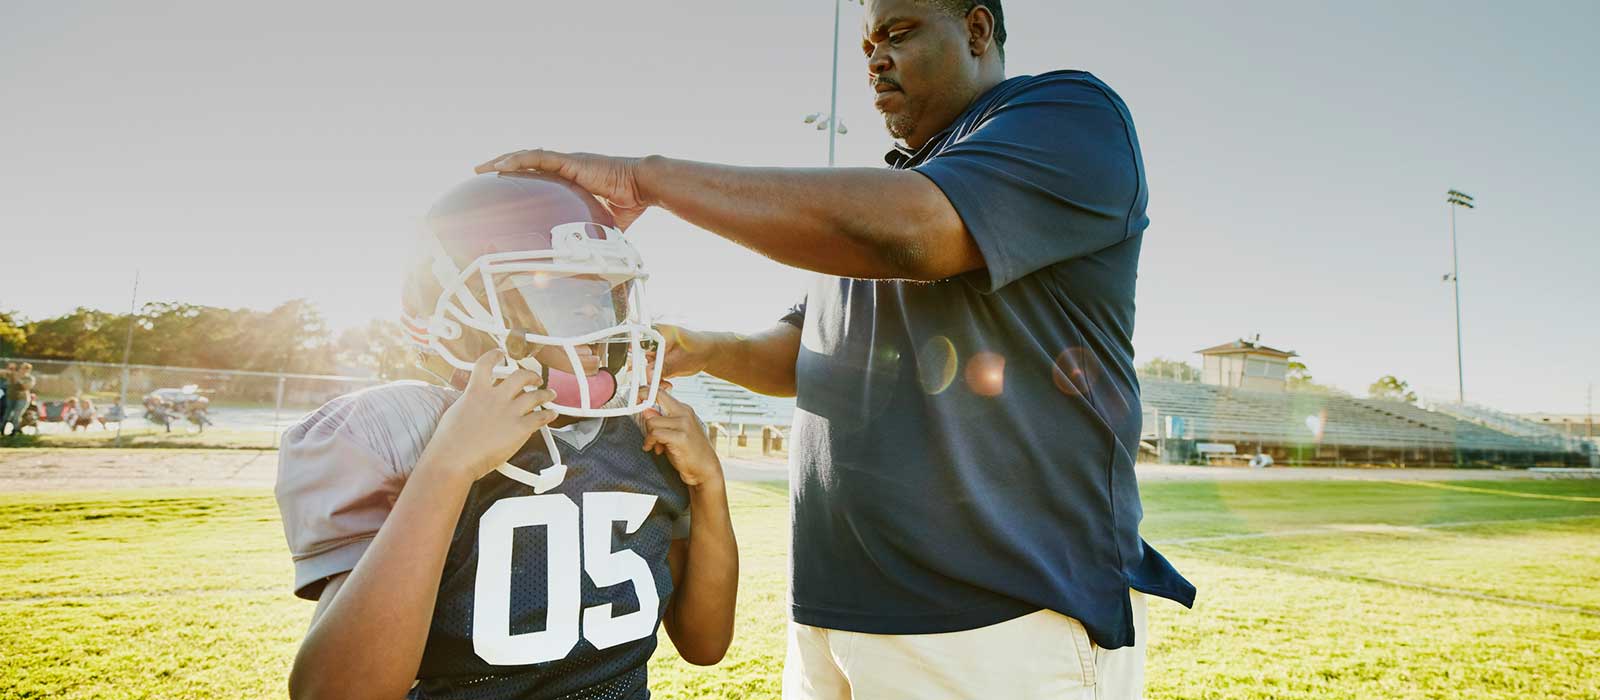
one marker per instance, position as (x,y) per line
(963,450)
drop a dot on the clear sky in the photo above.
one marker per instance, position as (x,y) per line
(241,154)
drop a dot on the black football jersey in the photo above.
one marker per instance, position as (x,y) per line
(547,593)
(558,594)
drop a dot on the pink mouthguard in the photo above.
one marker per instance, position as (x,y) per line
(602,386)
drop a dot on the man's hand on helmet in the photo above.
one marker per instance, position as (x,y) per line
(610,179)
(489,422)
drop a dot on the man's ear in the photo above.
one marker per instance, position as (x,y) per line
(980,30)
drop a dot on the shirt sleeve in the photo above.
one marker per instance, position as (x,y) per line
(333,494)
(1051,174)
(675,509)
(796,316)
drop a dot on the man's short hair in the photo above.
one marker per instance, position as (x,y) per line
(961,8)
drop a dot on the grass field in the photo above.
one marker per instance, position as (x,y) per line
(1307,590)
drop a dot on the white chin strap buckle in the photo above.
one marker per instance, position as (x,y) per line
(547,478)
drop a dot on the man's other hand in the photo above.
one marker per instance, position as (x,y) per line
(688,352)
(611,180)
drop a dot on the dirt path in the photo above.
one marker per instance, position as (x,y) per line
(44,469)
(93,470)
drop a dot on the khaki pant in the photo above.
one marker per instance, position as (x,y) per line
(1040,655)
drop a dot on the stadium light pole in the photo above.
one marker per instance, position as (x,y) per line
(127,351)
(833,92)
(1457,199)
(832,124)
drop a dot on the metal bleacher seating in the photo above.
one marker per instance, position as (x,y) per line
(724,402)
(1297,419)
(1506,423)
(1211,414)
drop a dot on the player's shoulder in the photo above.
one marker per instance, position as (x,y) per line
(627,466)
(393,421)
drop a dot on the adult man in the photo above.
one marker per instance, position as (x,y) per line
(965,511)
(18,391)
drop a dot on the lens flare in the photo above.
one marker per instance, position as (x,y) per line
(1317,424)
(1071,372)
(936,365)
(986,374)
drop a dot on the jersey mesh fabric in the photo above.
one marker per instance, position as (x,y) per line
(613,462)
(451,669)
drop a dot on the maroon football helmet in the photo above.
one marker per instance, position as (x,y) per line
(532,264)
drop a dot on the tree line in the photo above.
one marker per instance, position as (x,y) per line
(294,337)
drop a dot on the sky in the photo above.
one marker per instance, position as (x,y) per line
(243,154)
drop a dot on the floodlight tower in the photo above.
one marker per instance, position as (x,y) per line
(1457,199)
(832,123)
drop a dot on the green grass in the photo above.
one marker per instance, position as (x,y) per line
(1307,590)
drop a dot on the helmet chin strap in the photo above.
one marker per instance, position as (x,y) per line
(602,384)
(551,476)
(547,478)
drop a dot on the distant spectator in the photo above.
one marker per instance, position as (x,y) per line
(115,414)
(155,411)
(85,416)
(69,411)
(88,415)
(18,390)
(5,379)
(1261,460)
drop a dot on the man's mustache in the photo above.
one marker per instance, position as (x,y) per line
(891,82)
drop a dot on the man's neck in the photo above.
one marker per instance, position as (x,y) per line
(983,86)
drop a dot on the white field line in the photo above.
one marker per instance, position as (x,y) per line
(1346,529)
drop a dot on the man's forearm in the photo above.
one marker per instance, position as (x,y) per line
(849,222)
(761,362)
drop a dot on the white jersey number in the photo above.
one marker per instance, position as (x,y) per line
(491,613)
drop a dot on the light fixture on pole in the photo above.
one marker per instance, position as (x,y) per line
(833,91)
(1457,199)
(822,124)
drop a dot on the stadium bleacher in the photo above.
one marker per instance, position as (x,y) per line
(1506,422)
(1293,426)
(720,401)
(1305,427)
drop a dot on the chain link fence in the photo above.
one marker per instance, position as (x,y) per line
(96,404)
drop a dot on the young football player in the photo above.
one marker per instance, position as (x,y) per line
(451,553)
